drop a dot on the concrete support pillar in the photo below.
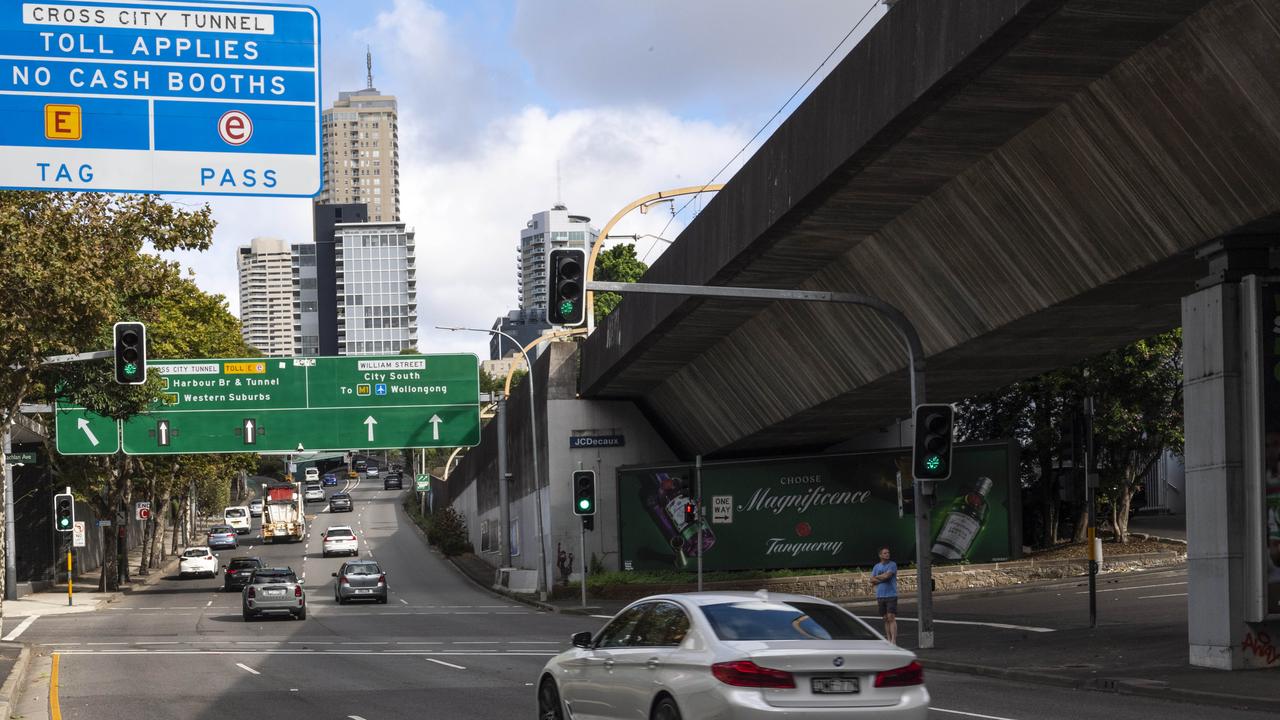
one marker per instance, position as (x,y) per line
(1222,404)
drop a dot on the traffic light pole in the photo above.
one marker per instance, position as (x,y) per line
(915,363)
(10,546)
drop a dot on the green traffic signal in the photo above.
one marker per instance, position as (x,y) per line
(130,369)
(585,504)
(566,307)
(933,463)
(65,522)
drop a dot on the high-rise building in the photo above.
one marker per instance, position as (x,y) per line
(360,157)
(266,296)
(547,231)
(377,288)
(315,280)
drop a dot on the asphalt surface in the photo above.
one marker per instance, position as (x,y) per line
(442,647)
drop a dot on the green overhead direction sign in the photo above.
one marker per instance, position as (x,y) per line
(80,432)
(275,405)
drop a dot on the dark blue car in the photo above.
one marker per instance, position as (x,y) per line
(222,537)
(329,480)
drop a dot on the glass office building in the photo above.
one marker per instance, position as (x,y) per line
(377,288)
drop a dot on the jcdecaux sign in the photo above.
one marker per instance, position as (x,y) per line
(175,97)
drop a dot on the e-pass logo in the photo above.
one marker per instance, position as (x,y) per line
(235,127)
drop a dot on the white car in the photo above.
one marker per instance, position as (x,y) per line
(733,655)
(311,474)
(313,493)
(198,560)
(340,540)
(238,517)
(371,471)
(255,508)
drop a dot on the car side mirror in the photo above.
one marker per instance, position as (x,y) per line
(582,640)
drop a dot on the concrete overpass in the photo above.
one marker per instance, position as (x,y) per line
(1027,179)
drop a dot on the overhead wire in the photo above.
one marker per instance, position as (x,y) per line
(765,126)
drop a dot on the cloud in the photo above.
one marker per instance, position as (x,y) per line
(482,129)
(733,58)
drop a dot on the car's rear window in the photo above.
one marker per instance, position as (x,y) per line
(339,496)
(221,529)
(235,512)
(274,577)
(242,564)
(364,569)
(339,533)
(196,552)
(761,620)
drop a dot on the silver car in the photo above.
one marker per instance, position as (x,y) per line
(739,656)
(273,590)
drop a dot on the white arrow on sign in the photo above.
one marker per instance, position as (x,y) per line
(370,422)
(84,425)
(248,432)
(435,427)
(162,429)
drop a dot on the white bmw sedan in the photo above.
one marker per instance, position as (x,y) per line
(732,656)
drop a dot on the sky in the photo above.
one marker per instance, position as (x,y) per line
(506,107)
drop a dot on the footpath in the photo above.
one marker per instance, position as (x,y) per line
(1143,655)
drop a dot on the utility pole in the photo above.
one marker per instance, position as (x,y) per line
(10,547)
(697,490)
(504,482)
(1091,492)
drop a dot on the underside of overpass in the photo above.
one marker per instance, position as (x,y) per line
(1028,180)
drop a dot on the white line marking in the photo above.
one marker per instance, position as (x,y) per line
(208,603)
(606,617)
(406,602)
(22,626)
(355,717)
(446,664)
(1002,626)
(969,714)
(242,666)
(110,643)
(1135,587)
(414,642)
(475,642)
(535,642)
(1152,597)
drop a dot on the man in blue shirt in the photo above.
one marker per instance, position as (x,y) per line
(884,576)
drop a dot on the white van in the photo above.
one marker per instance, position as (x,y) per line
(311,473)
(238,517)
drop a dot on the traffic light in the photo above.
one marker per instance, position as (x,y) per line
(584,492)
(588,522)
(690,512)
(64,512)
(131,353)
(931,454)
(566,300)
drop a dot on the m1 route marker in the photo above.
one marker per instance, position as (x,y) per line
(215,98)
(273,405)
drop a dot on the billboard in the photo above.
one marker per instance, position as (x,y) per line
(815,511)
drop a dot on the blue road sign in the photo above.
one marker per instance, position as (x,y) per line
(175,97)
(380,389)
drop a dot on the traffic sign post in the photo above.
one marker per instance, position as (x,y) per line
(130,96)
(142,510)
(274,405)
(422,483)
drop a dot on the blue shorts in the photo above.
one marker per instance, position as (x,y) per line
(888,605)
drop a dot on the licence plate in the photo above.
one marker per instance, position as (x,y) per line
(364,592)
(274,593)
(834,686)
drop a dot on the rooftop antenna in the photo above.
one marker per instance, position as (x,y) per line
(368,64)
(558,198)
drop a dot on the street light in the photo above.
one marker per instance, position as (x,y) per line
(533,429)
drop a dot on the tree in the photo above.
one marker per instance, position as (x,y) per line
(1137,392)
(617,264)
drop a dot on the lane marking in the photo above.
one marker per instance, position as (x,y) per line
(968,714)
(208,603)
(1152,597)
(242,666)
(1135,587)
(406,602)
(1002,626)
(475,642)
(446,664)
(55,709)
(22,626)
(355,717)
(606,617)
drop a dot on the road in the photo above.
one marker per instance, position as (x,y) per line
(441,647)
